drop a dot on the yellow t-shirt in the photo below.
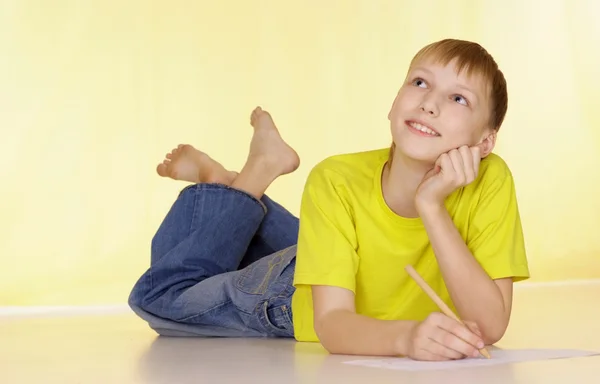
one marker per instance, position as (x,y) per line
(350,238)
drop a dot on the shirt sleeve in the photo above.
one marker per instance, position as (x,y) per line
(495,233)
(327,242)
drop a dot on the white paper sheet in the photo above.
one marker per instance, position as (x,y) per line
(499,356)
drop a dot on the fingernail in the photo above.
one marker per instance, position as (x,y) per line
(480,345)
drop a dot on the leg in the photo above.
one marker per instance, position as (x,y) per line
(200,244)
(252,302)
(184,163)
(278,230)
(217,224)
(269,158)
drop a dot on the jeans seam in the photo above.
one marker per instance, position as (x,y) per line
(262,315)
(262,288)
(287,316)
(194,210)
(252,198)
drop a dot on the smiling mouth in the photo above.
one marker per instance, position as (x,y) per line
(423,129)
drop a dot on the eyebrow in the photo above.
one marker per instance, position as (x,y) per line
(422,69)
(473,93)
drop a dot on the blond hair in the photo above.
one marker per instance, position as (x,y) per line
(473,58)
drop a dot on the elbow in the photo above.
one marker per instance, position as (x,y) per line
(492,338)
(328,334)
(329,346)
(495,333)
(332,347)
(321,330)
(331,322)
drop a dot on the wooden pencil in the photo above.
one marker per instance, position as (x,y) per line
(440,303)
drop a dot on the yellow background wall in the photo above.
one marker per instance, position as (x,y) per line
(94,93)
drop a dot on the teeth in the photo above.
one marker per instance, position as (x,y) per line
(423,128)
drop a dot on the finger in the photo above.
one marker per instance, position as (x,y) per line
(458,165)
(456,158)
(432,172)
(467,158)
(473,327)
(476,153)
(425,345)
(453,346)
(462,339)
(439,346)
(446,165)
(440,159)
(426,355)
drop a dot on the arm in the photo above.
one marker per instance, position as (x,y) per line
(478,271)
(476,296)
(327,262)
(342,330)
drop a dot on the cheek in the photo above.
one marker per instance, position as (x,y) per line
(463,133)
(399,105)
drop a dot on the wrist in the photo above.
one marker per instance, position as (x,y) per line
(429,208)
(405,329)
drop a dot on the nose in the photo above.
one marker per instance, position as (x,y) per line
(429,105)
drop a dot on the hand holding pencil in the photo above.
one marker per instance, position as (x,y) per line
(443,336)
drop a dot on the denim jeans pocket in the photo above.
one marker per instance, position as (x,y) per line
(276,319)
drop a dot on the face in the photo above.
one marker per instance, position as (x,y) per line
(437,110)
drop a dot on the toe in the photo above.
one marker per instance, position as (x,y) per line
(161,169)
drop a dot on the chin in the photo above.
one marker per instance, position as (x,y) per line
(416,150)
(417,153)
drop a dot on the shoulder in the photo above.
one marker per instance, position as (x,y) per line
(348,167)
(493,172)
(494,166)
(339,180)
(494,233)
(494,187)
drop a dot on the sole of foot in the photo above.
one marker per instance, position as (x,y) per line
(268,147)
(187,163)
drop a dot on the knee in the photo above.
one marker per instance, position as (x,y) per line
(144,306)
(146,299)
(139,295)
(136,298)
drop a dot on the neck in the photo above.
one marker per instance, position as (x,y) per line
(399,184)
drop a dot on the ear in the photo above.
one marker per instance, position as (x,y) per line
(488,143)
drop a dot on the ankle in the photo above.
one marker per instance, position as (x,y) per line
(255,178)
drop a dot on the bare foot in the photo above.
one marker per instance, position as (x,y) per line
(267,146)
(189,164)
(269,157)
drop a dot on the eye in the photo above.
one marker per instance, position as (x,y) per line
(460,99)
(419,82)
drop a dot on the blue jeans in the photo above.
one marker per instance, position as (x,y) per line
(222,265)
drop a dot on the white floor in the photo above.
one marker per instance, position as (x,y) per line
(118,348)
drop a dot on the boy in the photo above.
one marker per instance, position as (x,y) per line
(228,261)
